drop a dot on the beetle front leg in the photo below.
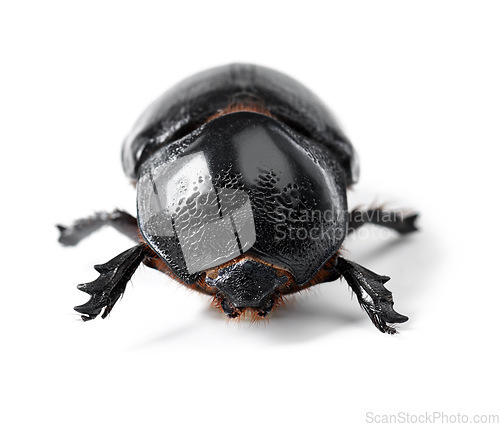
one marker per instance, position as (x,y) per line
(372,295)
(394,220)
(81,228)
(111,284)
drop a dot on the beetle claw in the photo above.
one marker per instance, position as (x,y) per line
(383,316)
(110,285)
(372,295)
(87,311)
(388,314)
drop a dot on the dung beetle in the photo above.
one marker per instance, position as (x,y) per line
(241,176)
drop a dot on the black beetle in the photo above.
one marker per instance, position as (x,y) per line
(241,177)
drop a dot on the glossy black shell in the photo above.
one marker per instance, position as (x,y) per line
(189,103)
(302,130)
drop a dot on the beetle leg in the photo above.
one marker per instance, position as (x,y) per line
(372,295)
(111,284)
(81,228)
(394,220)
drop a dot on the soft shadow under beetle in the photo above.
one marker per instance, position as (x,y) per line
(241,177)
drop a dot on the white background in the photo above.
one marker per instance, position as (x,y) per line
(416,88)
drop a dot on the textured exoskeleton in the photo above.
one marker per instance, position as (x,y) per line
(241,176)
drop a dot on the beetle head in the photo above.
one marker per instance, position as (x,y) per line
(247,284)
